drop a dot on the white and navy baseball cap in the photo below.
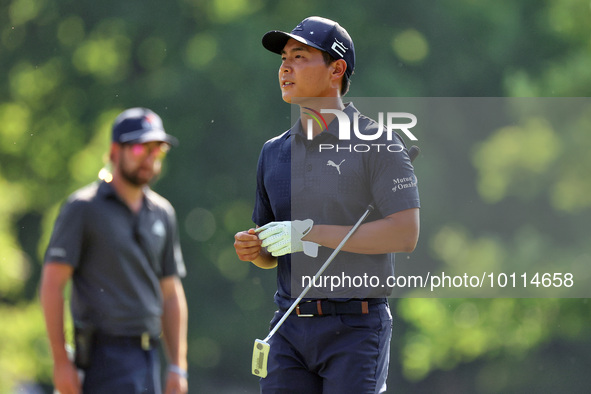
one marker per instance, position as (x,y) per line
(139,125)
(320,33)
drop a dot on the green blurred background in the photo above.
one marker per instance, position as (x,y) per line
(68,67)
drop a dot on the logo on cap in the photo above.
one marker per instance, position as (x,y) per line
(148,121)
(339,47)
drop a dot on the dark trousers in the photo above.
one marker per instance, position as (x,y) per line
(330,354)
(122,369)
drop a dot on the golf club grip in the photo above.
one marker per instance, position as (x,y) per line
(369,209)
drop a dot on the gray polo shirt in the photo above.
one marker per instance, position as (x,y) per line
(118,258)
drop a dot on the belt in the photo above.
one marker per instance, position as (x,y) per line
(332,308)
(144,341)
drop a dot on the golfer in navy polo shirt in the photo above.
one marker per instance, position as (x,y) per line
(311,189)
(117,241)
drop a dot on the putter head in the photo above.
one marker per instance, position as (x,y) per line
(260,355)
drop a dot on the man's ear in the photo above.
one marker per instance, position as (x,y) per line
(114,152)
(338,68)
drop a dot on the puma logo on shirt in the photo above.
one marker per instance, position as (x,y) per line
(337,166)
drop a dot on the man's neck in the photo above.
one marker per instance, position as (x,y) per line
(131,194)
(312,107)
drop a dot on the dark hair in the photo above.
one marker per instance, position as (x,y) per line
(345,83)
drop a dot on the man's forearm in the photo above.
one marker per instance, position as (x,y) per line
(265,260)
(174,327)
(52,303)
(396,233)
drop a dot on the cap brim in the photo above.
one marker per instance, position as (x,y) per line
(152,135)
(275,41)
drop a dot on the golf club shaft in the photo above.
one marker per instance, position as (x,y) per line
(320,271)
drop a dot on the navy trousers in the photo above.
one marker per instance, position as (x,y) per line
(123,369)
(330,354)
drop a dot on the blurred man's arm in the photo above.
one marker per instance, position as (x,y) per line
(174,330)
(53,282)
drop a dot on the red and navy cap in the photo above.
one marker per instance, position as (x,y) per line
(320,33)
(139,125)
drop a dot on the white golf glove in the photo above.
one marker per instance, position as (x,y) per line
(281,238)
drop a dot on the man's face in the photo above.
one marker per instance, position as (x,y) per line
(303,72)
(139,164)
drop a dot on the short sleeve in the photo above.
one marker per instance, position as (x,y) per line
(262,212)
(393,183)
(173,261)
(67,239)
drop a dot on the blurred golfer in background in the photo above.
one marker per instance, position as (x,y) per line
(118,243)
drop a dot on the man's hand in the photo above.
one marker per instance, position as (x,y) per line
(65,378)
(248,248)
(247,245)
(281,238)
(176,384)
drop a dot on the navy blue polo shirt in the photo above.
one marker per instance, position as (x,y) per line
(332,181)
(119,258)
